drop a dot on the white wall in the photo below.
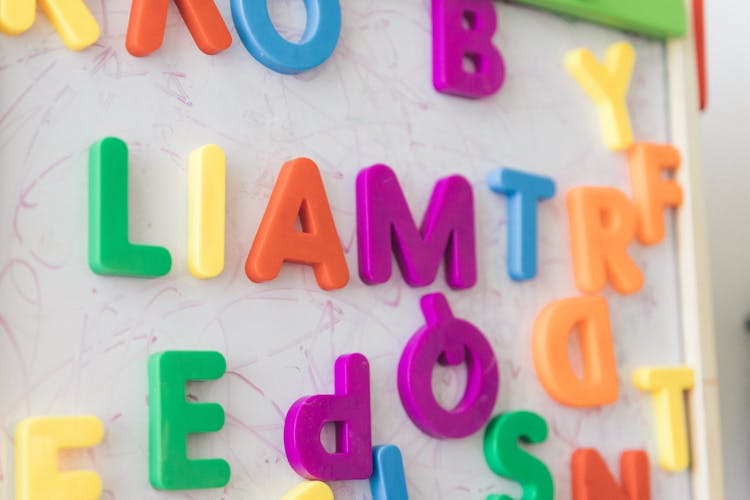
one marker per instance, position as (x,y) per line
(726,164)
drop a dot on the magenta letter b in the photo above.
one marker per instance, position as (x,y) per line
(462,32)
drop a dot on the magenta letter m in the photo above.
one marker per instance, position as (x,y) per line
(385,224)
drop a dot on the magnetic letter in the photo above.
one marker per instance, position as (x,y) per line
(172,418)
(524,192)
(349,409)
(298,193)
(507,459)
(589,317)
(310,490)
(110,252)
(450,341)
(71,18)
(261,39)
(385,224)
(602,225)
(593,481)
(148,20)
(206,211)
(39,441)
(651,192)
(462,33)
(667,386)
(607,85)
(387,481)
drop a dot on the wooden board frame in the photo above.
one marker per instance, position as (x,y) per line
(693,264)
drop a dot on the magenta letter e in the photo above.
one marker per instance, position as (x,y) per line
(462,31)
(349,409)
(449,341)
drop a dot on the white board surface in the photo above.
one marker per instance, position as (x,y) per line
(72,342)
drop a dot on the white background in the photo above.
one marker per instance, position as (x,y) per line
(726,167)
(75,342)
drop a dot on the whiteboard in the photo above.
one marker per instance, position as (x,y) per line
(72,342)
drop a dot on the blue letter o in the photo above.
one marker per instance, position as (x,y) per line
(261,39)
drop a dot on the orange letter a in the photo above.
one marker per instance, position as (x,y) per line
(298,192)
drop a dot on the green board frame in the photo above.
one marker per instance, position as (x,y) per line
(654,18)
